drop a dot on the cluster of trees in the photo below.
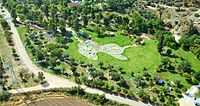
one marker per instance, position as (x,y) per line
(4,96)
(48,55)
(2,74)
(97,79)
(161,88)
(4,24)
(7,32)
(175,3)
(191,42)
(47,16)
(165,39)
(184,68)
(93,98)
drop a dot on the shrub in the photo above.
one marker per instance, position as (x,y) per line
(193,9)
(4,96)
(196,15)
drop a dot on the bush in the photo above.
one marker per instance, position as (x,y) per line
(196,15)
(193,9)
(4,96)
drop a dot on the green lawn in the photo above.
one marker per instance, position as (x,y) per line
(118,39)
(136,60)
(191,58)
(22,30)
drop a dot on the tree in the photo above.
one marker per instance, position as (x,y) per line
(4,2)
(85,20)
(38,54)
(76,24)
(14,15)
(41,76)
(4,24)
(168,52)
(38,2)
(143,95)
(53,26)
(197,75)
(118,89)
(46,10)
(160,44)
(24,75)
(4,95)
(122,83)
(185,66)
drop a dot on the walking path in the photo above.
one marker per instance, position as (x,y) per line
(54,81)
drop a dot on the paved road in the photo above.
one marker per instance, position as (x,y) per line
(54,81)
(186,100)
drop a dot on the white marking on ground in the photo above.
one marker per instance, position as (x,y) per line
(90,50)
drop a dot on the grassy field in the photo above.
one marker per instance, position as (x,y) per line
(118,39)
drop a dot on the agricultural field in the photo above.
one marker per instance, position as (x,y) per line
(57,101)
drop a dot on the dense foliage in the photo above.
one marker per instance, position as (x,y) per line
(4,95)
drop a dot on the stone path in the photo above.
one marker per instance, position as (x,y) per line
(90,50)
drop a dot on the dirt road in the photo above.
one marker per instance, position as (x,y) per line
(53,81)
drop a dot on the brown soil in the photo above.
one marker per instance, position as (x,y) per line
(61,101)
(45,99)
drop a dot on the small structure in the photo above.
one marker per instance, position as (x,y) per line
(162,82)
(110,34)
(143,83)
(90,78)
(171,83)
(48,36)
(74,4)
(170,88)
(50,67)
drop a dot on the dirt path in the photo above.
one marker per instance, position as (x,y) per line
(54,81)
(186,100)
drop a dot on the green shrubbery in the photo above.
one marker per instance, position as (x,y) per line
(4,95)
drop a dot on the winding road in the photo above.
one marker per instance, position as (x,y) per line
(53,81)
